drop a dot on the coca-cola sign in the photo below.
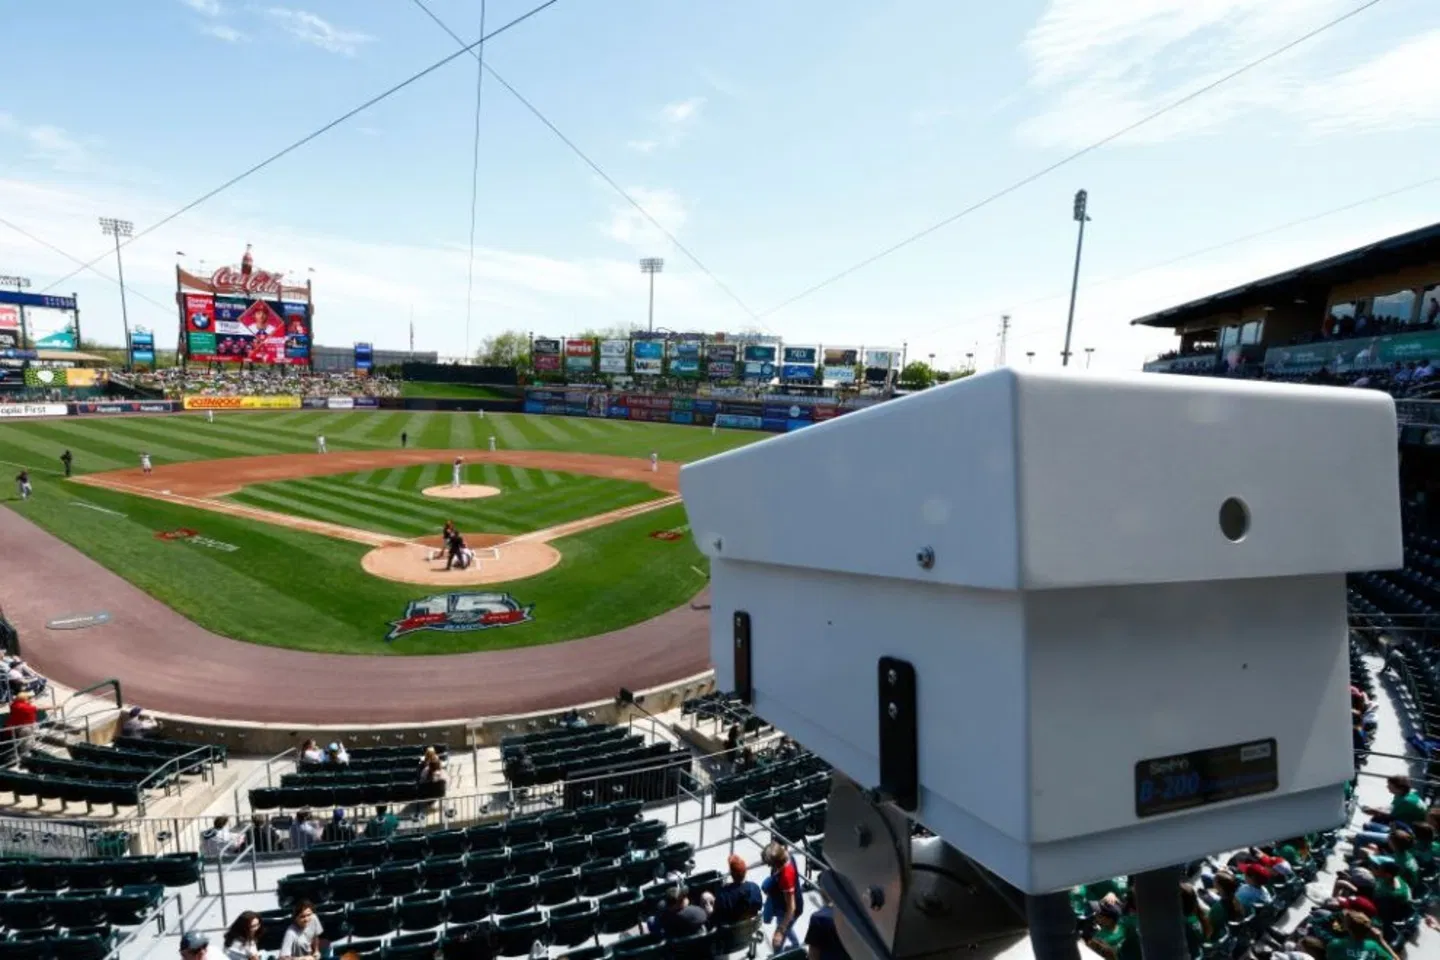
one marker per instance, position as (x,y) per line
(230,280)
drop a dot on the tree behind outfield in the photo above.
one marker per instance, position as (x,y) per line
(510,348)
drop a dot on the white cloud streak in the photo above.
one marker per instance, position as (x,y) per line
(206,8)
(225,32)
(318,32)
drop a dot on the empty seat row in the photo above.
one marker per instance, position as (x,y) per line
(768,776)
(89,908)
(396,878)
(525,775)
(170,748)
(72,943)
(341,777)
(116,757)
(47,765)
(167,870)
(409,762)
(88,792)
(547,739)
(292,798)
(568,753)
(555,826)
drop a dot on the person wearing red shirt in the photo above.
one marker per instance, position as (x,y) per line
(22,711)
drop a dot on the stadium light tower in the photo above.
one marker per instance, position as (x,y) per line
(19,283)
(652,266)
(1081,198)
(117,229)
(1089,352)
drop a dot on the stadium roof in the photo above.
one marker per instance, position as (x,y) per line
(1311,282)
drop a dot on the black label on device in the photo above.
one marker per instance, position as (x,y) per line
(1197,779)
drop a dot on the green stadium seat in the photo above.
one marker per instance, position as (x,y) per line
(646,946)
(558,885)
(373,918)
(647,834)
(487,866)
(530,857)
(570,851)
(599,877)
(397,879)
(697,946)
(443,872)
(572,924)
(468,941)
(637,871)
(587,953)
(610,842)
(620,911)
(468,904)
(516,894)
(412,946)
(421,911)
(516,935)
(177,869)
(446,843)
(78,910)
(351,884)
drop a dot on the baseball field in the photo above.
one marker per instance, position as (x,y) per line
(249,532)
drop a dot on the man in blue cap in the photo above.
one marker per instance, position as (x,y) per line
(193,945)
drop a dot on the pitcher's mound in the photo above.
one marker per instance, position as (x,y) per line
(466,491)
(411,563)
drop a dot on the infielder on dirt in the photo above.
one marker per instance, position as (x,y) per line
(455,469)
(654,463)
(145,463)
(492,444)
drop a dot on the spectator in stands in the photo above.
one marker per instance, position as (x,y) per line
(1108,938)
(138,723)
(21,677)
(304,831)
(22,712)
(1252,892)
(193,946)
(432,770)
(571,720)
(679,918)
(1226,907)
(1196,931)
(1426,850)
(383,825)
(242,940)
(220,839)
(310,752)
(338,830)
(1361,942)
(1392,894)
(1406,806)
(302,937)
(783,902)
(739,899)
(336,754)
(822,941)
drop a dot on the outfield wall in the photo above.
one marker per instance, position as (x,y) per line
(776,414)
(40,411)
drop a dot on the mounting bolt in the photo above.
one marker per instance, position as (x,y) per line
(926,558)
(718,543)
(891,677)
(876,898)
(893,710)
(862,835)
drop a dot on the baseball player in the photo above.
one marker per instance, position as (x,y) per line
(209,416)
(68,461)
(482,414)
(713,427)
(22,484)
(455,472)
(654,463)
(457,550)
(145,463)
(404,439)
(320,444)
(492,444)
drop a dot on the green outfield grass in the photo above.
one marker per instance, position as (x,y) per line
(113,443)
(390,501)
(454,391)
(286,588)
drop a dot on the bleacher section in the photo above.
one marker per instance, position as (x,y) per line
(596,764)
(373,776)
(120,775)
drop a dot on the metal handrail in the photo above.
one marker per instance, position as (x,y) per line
(109,682)
(158,915)
(175,761)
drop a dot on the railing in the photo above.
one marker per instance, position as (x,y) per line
(178,766)
(158,918)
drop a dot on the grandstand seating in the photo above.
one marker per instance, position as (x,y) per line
(118,775)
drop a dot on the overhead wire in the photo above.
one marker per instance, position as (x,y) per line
(599,172)
(990,315)
(321,131)
(168,308)
(1071,158)
(474,179)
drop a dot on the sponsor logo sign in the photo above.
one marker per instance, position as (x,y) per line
(545,354)
(123,406)
(314,403)
(186,535)
(649,356)
(460,613)
(799,355)
(370,403)
(14,410)
(340,403)
(614,356)
(840,374)
(242,403)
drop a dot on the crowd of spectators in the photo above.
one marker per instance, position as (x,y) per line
(263,382)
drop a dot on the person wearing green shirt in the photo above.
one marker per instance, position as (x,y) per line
(383,826)
(1194,926)
(1296,851)
(1402,846)
(1426,850)
(1392,893)
(1108,940)
(1361,941)
(1406,806)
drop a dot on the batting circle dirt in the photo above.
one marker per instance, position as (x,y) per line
(497,560)
(466,491)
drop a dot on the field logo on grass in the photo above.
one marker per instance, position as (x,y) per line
(193,536)
(674,533)
(460,613)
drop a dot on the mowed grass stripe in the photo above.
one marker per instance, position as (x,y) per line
(173,445)
(368,515)
(40,451)
(411,509)
(507,434)
(519,478)
(85,445)
(549,429)
(302,505)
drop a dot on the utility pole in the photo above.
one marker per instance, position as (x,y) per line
(1004,338)
(652,266)
(1081,198)
(117,229)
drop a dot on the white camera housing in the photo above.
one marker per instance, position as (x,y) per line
(1047,551)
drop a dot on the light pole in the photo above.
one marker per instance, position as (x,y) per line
(19,283)
(1089,352)
(970,361)
(1030,356)
(1081,197)
(652,266)
(117,229)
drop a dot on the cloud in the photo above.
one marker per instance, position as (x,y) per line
(674,121)
(627,225)
(682,111)
(1100,65)
(208,8)
(721,83)
(225,32)
(311,29)
(46,143)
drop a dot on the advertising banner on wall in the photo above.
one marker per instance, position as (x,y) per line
(580,356)
(721,361)
(839,374)
(10,411)
(545,355)
(649,358)
(889,359)
(756,370)
(243,403)
(244,315)
(614,356)
(123,406)
(9,327)
(841,357)
(759,353)
(686,358)
(797,372)
(51,329)
(805,355)
(364,357)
